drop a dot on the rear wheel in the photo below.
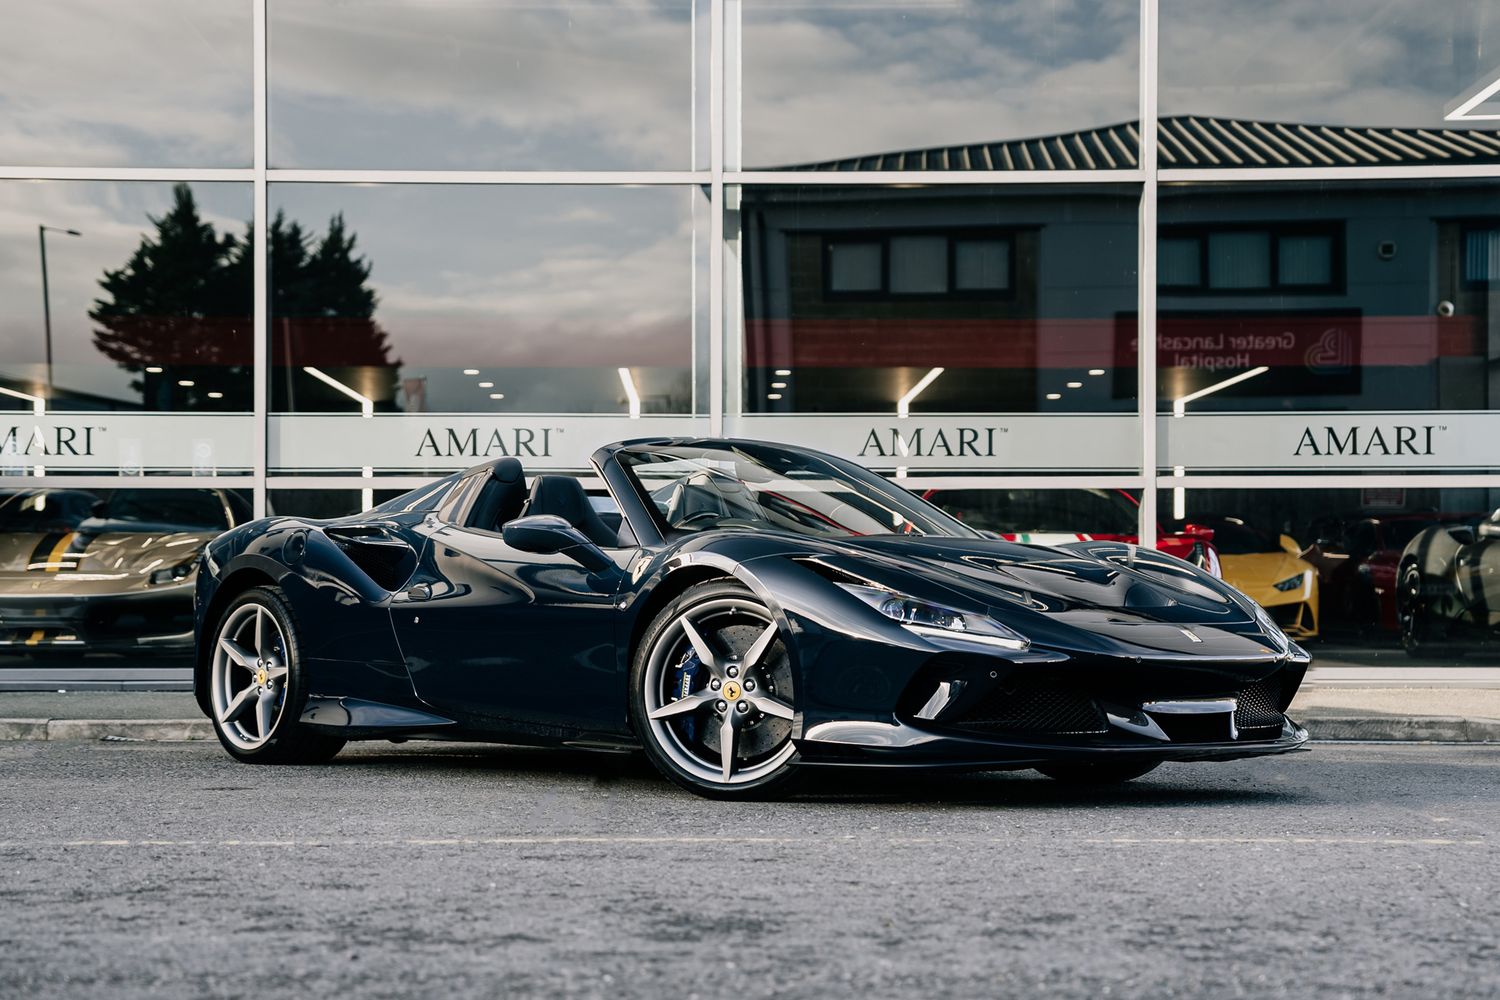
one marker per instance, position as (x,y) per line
(1104,773)
(257,687)
(711,694)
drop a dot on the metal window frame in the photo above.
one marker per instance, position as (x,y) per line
(724,359)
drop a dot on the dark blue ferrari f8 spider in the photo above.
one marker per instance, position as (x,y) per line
(741,611)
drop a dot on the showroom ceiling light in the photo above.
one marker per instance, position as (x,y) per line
(497,395)
(1075,385)
(1096,371)
(778,385)
(903,405)
(1179,406)
(1054,395)
(154,369)
(486,385)
(773,395)
(471,371)
(366,404)
(186,383)
(631,396)
(783,372)
(216,395)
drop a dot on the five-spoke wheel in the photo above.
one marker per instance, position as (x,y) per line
(712,693)
(254,684)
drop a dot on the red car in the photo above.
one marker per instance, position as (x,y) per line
(1363,590)
(1052,517)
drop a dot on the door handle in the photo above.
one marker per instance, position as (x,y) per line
(420,592)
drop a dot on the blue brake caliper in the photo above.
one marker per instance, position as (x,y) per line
(684,683)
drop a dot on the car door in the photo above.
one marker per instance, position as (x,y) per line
(489,630)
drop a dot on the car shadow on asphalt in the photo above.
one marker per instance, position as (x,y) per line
(1179,784)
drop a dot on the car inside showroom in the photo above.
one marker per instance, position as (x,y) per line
(1208,277)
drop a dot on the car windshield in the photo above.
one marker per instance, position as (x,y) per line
(1041,512)
(747,485)
(44,510)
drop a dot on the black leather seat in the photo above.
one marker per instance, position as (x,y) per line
(564,496)
(501,497)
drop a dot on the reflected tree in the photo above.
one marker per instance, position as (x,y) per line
(178,313)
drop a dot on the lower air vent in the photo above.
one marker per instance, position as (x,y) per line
(1258,716)
(1036,709)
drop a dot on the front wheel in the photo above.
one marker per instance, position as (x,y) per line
(1110,773)
(257,687)
(711,694)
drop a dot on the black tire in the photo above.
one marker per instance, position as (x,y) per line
(734,624)
(285,739)
(1411,612)
(1103,773)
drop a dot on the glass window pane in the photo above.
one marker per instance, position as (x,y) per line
(1057,343)
(981,265)
(1179,262)
(1239,260)
(919,264)
(106,571)
(1255,84)
(1305,260)
(854,267)
(152,83)
(1482,255)
(513,85)
(895,86)
(1327,565)
(146,299)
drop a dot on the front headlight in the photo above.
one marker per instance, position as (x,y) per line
(926,618)
(1290,583)
(174,574)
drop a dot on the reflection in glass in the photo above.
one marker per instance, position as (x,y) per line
(151,83)
(1327,62)
(471,299)
(1023,298)
(1360,296)
(513,85)
(106,571)
(1365,572)
(833,80)
(139,293)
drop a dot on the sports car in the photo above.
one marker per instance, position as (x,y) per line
(740,611)
(1270,570)
(108,572)
(1449,585)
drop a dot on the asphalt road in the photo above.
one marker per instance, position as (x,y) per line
(167,870)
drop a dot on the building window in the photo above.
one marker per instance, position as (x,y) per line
(920,265)
(1228,260)
(1482,256)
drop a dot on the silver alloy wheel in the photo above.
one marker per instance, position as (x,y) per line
(740,695)
(249,675)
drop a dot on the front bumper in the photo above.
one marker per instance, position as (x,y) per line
(85,624)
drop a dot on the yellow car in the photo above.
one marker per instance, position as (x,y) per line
(1270,571)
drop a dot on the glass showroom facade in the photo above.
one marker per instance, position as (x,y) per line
(1150,268)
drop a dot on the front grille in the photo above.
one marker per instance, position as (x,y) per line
(1034,708)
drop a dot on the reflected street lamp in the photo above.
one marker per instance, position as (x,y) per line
(41,238)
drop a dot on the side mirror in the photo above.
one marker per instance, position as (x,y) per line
(547,534)
(1199,532)
(1290,545)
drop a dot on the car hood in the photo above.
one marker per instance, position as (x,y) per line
(80,562)
(1104,597)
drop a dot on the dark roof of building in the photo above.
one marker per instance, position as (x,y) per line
(1196,141)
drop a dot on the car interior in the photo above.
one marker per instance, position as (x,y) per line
(504,496)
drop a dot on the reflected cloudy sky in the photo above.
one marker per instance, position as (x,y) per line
(1350,62)
(829,80)
(515,84)
(144,83)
